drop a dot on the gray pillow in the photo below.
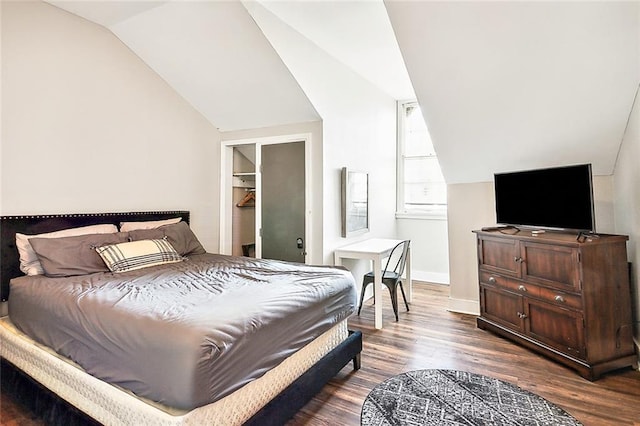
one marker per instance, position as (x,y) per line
(67,256)
(179,235)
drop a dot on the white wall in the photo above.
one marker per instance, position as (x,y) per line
(359,124)
(100,109)
(429,248)
(627,204)
(358,129)
(472,206)
(88,127)
(360,136)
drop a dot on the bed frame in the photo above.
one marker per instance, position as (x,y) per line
(54,410)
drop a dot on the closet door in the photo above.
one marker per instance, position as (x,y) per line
(283,201)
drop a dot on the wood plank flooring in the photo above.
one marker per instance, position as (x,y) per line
(431,337)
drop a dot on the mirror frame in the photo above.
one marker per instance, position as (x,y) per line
(355,199)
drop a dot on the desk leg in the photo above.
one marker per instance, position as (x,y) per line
(377,291)
(408,273)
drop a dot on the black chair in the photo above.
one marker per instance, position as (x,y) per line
(391,276)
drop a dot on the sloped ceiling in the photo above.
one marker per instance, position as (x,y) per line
(106,13)
(502,85)
(212,53)
(215,56)
(356,33)
(515,85)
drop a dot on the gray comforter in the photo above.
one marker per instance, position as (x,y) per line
(188,333)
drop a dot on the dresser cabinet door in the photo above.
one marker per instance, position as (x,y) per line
(551,265)
(502,307)
(500,255)
(560,328)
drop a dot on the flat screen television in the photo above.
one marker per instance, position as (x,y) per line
(553,198)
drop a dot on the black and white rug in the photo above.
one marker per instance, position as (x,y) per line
(450,397)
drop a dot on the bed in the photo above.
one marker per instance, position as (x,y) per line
(238,375)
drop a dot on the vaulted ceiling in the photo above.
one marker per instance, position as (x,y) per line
(210,52)
(216,57)
(502,85)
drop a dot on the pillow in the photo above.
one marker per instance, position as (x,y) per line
(138,254)
(179,235)
(150,224)
(66,256)
(29,263)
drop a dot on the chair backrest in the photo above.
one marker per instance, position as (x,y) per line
(398,258)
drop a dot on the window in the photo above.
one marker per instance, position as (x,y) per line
(422,190)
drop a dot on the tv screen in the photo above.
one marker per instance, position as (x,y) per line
(556,198)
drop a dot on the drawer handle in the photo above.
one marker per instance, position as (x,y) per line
(559,299)
(518,259)
(522,288)
(492,280)
(521,315)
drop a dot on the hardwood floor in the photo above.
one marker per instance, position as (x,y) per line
(431,337)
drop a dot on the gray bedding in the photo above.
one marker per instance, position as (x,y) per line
(184,334)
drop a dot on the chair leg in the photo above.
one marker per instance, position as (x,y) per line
(364,288)
(394,301)
(403,296)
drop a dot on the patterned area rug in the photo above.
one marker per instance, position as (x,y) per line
(450,397)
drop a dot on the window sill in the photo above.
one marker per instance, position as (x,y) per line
(423,215)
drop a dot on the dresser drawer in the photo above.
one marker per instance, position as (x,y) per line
(560,299)
(509,284)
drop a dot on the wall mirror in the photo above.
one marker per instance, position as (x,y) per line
(355,202)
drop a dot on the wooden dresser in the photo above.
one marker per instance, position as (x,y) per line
(564,297)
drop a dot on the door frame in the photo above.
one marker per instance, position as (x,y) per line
(226,199)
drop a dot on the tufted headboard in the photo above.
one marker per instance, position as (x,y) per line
(38,224)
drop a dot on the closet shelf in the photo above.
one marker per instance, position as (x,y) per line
(244,180)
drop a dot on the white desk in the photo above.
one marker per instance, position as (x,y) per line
(375,250)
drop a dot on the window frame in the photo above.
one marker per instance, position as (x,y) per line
(432,211)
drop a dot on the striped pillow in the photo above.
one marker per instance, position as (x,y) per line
(138,254)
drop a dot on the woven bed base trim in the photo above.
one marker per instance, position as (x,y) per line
(111,405)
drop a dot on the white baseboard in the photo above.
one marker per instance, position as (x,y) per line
(462,306)
(430,277)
